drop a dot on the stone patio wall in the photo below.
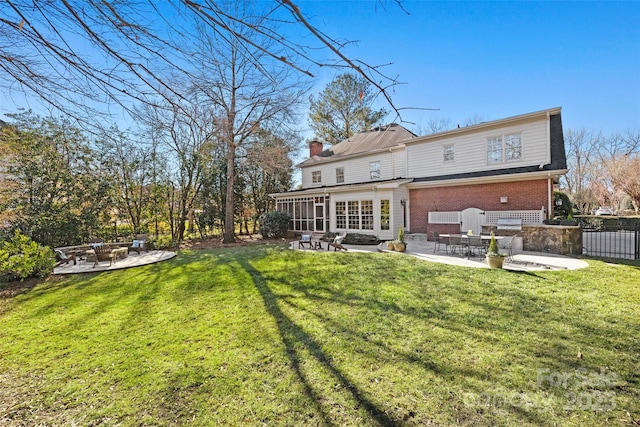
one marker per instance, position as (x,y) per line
(555,239)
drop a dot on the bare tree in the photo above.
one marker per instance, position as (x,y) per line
(434,125)
(475,120)
(624,173)
(131,165)
(80,55)
(244,97)
(267,168)
(582,151)
(187,135)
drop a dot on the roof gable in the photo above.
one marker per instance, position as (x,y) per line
(379,138)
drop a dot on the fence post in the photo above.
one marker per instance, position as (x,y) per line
(637,241)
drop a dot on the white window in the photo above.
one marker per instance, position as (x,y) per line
(366,211)
(316,177)
(494,150)
(374,170)
(341,215)
(504,148)
(512,147)
(384,214)
(448,152)
(339,175)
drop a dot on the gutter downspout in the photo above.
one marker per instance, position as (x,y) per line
(549,196)
(548,138)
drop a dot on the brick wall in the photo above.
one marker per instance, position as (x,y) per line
(522,195)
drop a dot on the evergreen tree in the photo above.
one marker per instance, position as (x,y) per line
(344,108)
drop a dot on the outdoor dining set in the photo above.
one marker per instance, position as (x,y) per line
(97,250)
(469,244)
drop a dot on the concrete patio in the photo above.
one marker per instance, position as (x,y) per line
(133,260)
(521,261)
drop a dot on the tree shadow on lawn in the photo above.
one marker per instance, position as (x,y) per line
(293,338)
(533,329)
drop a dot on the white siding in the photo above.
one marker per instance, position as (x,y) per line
(426,159)
(399,163)
(356,170)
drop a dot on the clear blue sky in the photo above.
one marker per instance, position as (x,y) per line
(498,59)
(489,59)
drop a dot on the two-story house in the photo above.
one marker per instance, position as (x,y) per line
(449,181)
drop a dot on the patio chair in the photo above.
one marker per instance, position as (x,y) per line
(104,253)
(62,258)
(305,239)
(457,243)
(139,244)
(336,242)
(507,243)
(437,241)
(476,243)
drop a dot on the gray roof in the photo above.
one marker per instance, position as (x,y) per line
(379,138)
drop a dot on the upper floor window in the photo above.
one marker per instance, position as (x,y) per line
(505,148)
(448,152)
(339,175)
(513,147)
(316,177)
(374,170)
(494,150)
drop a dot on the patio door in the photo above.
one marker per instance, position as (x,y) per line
(471,219)
(319,216)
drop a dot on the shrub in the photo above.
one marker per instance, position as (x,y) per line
(493,250)
(163,241)
(274,224)
(360,239)
(21,257)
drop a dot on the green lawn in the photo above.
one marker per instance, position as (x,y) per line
(268,336)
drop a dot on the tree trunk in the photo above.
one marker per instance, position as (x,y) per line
(229,223)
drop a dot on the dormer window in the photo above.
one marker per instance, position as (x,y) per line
(374,170)
(316,177)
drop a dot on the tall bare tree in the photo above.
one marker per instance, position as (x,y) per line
(81,55)
(186,135)
(582,150)
(247,91)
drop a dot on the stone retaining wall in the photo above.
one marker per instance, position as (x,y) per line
(555,239)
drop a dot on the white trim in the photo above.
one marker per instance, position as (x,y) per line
(486,179)
(475,128)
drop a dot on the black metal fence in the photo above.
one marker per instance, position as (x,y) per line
(612,241)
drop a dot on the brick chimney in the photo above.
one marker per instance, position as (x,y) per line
(315,147)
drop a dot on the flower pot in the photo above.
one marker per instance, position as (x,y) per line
(495,261)
(400,246)
(390,245)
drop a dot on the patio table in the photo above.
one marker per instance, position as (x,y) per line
(465,238)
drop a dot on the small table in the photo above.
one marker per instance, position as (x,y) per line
(120,253)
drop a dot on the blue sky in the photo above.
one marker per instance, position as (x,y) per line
(487,59)
(498,59)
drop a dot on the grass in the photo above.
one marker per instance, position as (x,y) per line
(267,336)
